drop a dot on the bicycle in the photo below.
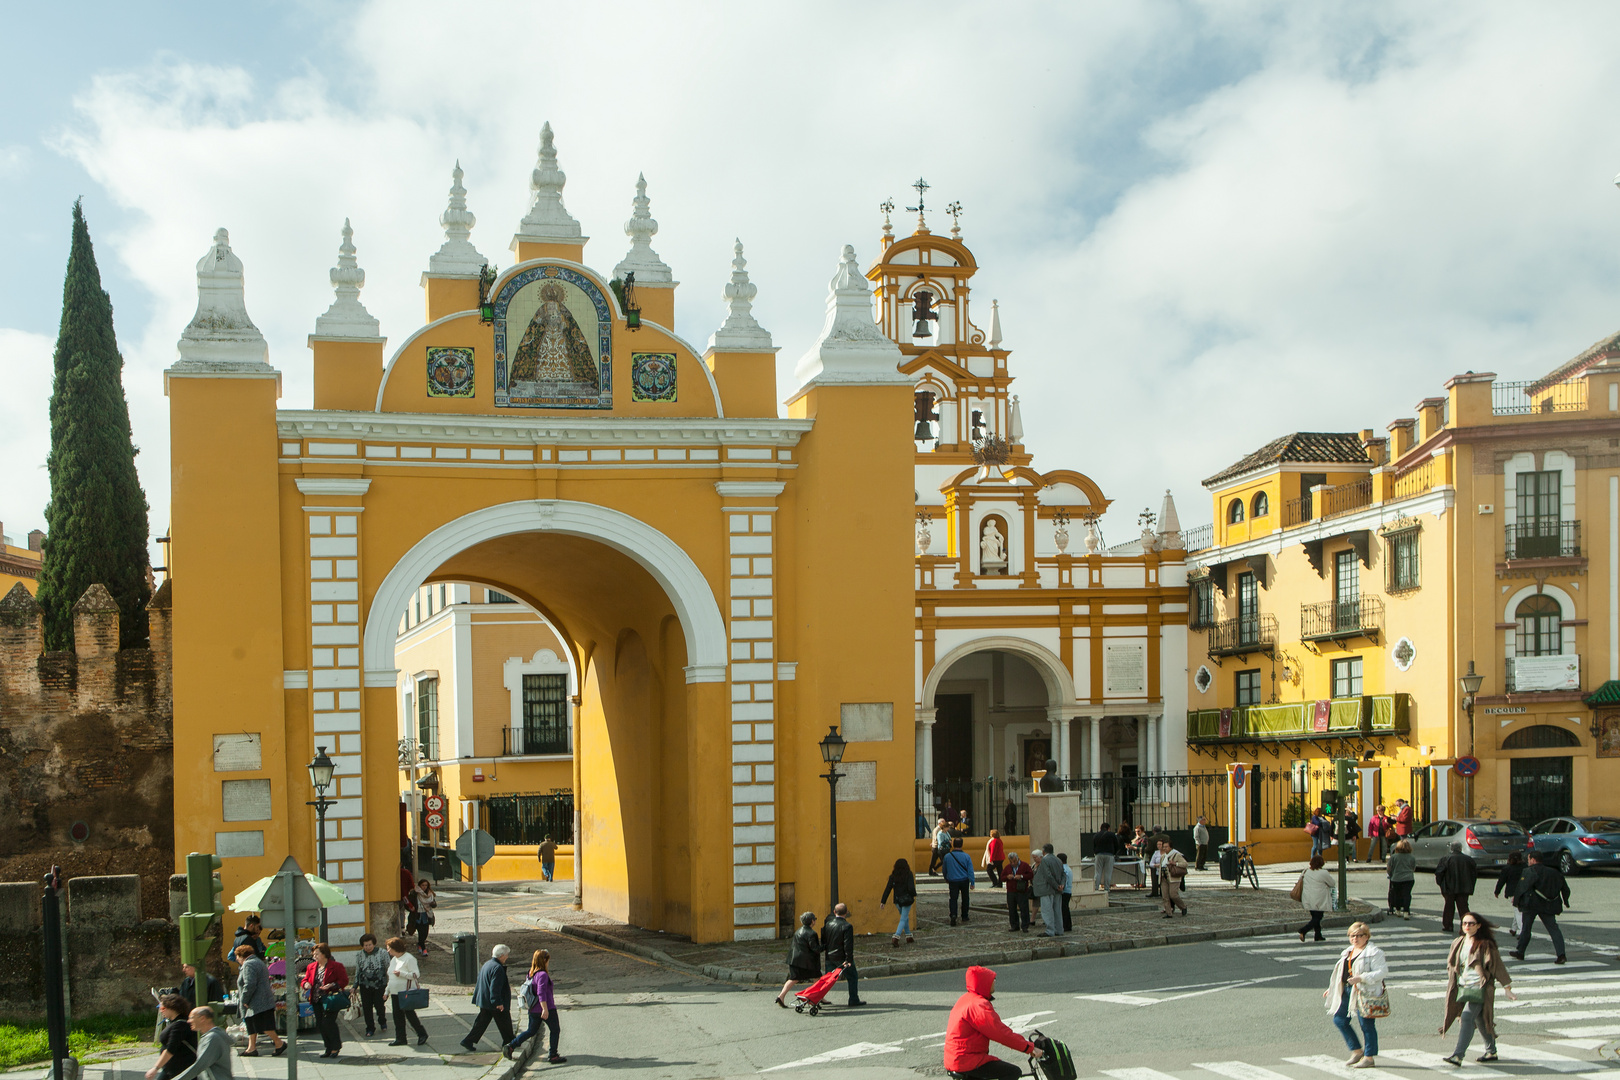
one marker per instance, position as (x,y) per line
(1246,868)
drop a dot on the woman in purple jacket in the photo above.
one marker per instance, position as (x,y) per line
(544,1009)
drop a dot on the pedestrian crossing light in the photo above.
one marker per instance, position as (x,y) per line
(204,904)
(1330,803)
(1344,774)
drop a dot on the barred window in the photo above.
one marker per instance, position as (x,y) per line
(427,717)
(545,714)
(1403,561)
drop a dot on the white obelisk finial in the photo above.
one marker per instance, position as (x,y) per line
(458,257)
(642,260)
(741,331)
(347,317)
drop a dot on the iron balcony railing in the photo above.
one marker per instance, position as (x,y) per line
(1341,619)
(1198,537)
(1516,398)
(1245,634)
(1328,503)
(535,740)
(1543,538)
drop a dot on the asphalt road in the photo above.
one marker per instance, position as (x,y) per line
(1249,1009)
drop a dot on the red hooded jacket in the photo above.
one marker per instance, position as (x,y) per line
(974,1023)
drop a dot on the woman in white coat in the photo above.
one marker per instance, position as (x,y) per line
(1357,987)
(1316,894)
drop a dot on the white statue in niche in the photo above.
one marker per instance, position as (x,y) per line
(992,549)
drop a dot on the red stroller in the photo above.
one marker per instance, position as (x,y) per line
(811,995)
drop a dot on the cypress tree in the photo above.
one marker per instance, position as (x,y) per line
(96,524)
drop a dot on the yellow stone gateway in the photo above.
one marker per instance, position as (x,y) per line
(722,579)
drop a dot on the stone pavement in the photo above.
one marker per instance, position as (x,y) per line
(1132,921)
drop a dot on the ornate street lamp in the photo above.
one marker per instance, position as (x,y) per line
(320,776)
(1470,684)
(832,752)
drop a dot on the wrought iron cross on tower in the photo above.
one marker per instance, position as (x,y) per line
(921,185)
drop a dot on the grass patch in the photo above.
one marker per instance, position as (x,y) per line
(23,1042)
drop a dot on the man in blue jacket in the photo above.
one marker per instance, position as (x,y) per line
(958,877)
(493,996)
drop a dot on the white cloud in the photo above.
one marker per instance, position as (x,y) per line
(25,430)
(1206,227)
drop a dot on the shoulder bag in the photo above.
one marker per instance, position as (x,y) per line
(1297,893)
(1471,995)
(1371,1006)
(413,999)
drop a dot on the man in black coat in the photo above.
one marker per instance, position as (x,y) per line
(838,948)
(1105,848)
(493,996)
(1455,874)
(1544,892)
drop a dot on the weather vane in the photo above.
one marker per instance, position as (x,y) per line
(921,185)
(887,206)
(955,210)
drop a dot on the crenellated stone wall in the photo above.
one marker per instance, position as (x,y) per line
(87,747)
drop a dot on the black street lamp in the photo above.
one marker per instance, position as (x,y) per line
(832,752)
(1470,684)
(320,775)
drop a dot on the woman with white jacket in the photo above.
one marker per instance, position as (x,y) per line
(1358,978)
(1316,894)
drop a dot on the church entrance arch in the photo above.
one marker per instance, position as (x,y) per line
(641,622)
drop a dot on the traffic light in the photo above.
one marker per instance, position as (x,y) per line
(1330,803)
(203,905)
(1344,774)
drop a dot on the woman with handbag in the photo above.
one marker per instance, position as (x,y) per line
(1358,986)
(1315,887)
(425,900)
(404,978)
(1473,969)
(325,985)
(903,887)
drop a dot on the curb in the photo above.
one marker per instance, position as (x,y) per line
(1027,954)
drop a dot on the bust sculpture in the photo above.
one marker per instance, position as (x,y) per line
(1051,781)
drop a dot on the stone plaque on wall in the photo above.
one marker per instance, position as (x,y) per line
(238,753)
(239,845)
(871,721)
(1125,668)
(859,783)
(245,800)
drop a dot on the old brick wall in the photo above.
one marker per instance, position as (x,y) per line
(86,741)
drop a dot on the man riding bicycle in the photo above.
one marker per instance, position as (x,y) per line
(973,1024)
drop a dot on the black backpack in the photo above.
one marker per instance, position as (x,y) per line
(1056,1062)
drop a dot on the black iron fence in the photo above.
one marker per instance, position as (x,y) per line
(529,819)
(1341,618)
(1250,633)
(1164,802)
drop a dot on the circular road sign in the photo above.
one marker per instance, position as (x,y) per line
(1237,777)
(435,819)
(434,804)
(1467,766)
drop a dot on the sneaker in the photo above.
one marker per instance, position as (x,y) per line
(911,940)
(896,944)
(506,1052)
(1355,1056)
(556,1060)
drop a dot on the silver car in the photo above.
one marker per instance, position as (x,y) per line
(1487,841)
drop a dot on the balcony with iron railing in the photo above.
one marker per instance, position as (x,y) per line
(1346,717)
(1243,635)
(1542,538)
(1331,502)
(1520,399)
(1332,620)
(530,741)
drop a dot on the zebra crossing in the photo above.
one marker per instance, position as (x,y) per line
(1575,1005)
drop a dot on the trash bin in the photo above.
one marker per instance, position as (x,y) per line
(465,954)
(1229,862)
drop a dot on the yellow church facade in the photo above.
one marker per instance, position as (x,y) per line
(1353,582)
(729,584)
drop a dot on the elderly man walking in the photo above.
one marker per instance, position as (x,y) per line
(1049,890)
(1455,874)
(493,996)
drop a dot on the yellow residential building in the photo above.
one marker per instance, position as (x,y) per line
(1352,581)
(21,564)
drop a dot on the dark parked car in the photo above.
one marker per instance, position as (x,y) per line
(1488,842)
(1579,841)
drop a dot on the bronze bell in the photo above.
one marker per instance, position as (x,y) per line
(924,431)
(922,314)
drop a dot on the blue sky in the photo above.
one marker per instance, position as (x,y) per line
(1207,224)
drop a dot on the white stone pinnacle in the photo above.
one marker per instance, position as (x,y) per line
(995,324)
(347,317)
(642,260)
(1015,422)
(457,258)
(741,331)
(1169,522)
(853,348)
(548,221)
(221,336)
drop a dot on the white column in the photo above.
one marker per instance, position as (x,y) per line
(1162,755)
(1143,765)
(928,759)
(925,751)
(1094,762)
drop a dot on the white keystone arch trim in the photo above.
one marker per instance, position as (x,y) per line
(660,556)
(1059,683)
